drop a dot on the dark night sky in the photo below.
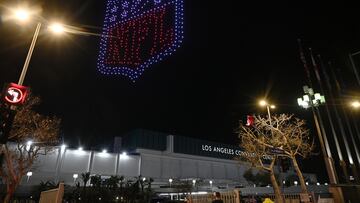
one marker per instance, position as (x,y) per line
(232,55)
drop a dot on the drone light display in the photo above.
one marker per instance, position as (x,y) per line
(139,33)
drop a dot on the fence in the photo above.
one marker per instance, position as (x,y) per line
(52,196)
(227,197)
(234,197)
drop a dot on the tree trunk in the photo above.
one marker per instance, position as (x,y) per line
(301,177)
(278,196)
(9,193)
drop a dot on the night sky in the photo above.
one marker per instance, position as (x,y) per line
(233,54)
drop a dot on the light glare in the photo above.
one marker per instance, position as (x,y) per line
(355,104)
(21,14)
(57,28)
(263,103)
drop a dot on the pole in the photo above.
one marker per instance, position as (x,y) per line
(354,67)
(28,57)
(329,164)
(327,82)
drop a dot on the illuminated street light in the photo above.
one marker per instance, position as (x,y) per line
(313,100)
(62,148)
(355,104)
(28,174)
(75,176)
(262,103)
(170,181)
(268,107)
(21,14)
(57,28)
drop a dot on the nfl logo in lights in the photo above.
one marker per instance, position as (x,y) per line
(139,33)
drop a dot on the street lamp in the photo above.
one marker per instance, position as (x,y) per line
(355,104)
(24,15)
(170,181)
(268,107)
(313,100)
(353,66)
(21,14)
(75,176)
(28,174)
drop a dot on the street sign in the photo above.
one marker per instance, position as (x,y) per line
(15,94)
(275,151)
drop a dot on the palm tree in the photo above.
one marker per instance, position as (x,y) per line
(85,177)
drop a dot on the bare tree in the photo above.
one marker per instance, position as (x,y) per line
(256,142)
(294,140)
(31,134)
(283,135)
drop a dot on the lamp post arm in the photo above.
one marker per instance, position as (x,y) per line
(354,67)
(28,57)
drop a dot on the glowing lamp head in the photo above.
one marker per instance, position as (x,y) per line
(272,106)
(75,175)
(28,174)
(104,151)
(355,104)
(170,180)
(22,14)
(262,103)
(57,28)
(29,143)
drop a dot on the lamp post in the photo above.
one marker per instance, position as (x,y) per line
(23,15)
(268,107)
(75,176)
(313,100)
(353,66)
(28,174)
(170,181)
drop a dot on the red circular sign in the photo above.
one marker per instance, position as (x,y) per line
(14,95)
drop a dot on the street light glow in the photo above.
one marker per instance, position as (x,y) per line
(29,143)
(56,28)
(21,14)
(262,103)
(272,106)
(355,104)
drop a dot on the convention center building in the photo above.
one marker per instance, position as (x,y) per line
(149,154)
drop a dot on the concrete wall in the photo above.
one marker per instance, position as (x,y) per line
(62,165)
